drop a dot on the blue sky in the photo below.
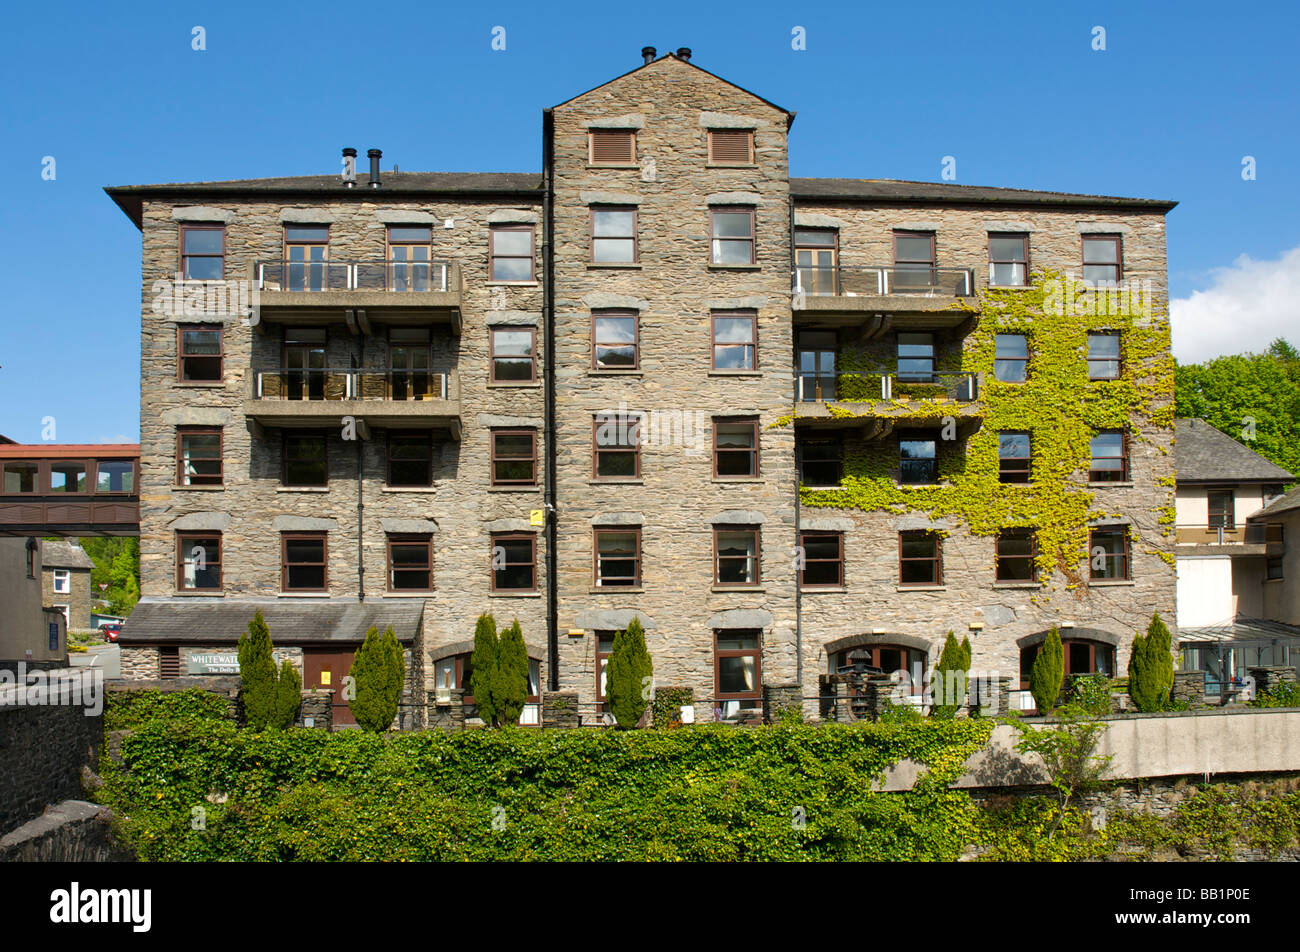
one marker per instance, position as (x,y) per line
(1014,91)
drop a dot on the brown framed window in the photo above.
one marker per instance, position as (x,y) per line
(916,358)
(738,668)
(733,235)
(1108,553)
(1082,657)
(68,476)
(1011,358)
(615,340)
(514,457)
(920,558)
(457,672)
(199,456)
(735,448)
(199,353)
(821,462)
(115,476)
(1008,260)
(22,476)
(306,249)
(203,252)
(409,252)
(512,253)
(1219,504)
(1103,258)
(823,559)
(410,563)
(604,648)
(1014,457)
(917,462)
(914,261)
(1104,355)
(613,235)
(617,562)
(198,561)
(731,147)
(410,459)
(735,341)
(1015,555)
(303,562)
(736,555)
(1273,570)
(611,147)
(1109,457)
(410,354)
(816,253)
(302,354)
(514,562)
(616,446)
(305,462)
(514,354)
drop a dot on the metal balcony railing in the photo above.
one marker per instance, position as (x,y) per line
(328,383)
(394,276)
(1242,533)
(867,388)
(854,280)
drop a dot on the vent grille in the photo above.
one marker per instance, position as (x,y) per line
(731,146)
(613,147)
(169,662)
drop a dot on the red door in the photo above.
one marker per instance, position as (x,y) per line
(324,670)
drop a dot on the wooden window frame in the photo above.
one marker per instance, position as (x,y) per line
(492,353)
(1027,656)
(285,458)
(408,539)
(756,653)
(323,539)
(621,314)
(936,560)
(1015,470)
(812,268)
(1023,361)
(591,233)
(1100,475)
(185,229)
(993,262)
(1032,558)
(493,231)
(714,141)
(1227,513)
(529,432)
(184,431)
(628,134)
(135,478)
(757,533)
(179,574)
(1125,554)
(632,429)
(752,346)
(714,211)
(1272,562)
(835,441)
(182,357)
(916,376)
(531,539)
(66,577)
(1119,370)
(388,458)
(38,476)
(932,263)
(49,466)
(596,579)
(838,561)
(1118,264)
(754,452)
(918,436)
(601,698)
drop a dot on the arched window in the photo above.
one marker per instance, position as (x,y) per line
(1082,656)
(456,671)
(885,659)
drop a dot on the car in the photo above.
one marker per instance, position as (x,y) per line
(110,630)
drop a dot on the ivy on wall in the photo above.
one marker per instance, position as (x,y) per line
(1057,405)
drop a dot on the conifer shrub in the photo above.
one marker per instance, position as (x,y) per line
(484,664)
(510,686)
(949,679)
(627,676)
(1048,672)
(1151,668)
(257,675)
(378,672)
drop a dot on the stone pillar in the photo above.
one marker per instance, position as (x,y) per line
(668,704)
(1189,686)
(447,713)
(781,697)
(1271,676)
(877,692)
(560,709)
(317,707)
(988,697)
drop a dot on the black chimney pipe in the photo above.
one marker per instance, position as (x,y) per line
(684,54)
(648,54)
(349,167)
(375,156)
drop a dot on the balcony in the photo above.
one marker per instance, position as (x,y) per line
(358,292)
(323,397)
(1251,538)
(899,297)
(844,399)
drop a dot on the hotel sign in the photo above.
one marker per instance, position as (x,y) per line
(212,662)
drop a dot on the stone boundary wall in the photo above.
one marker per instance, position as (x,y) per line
(42,750)
(73,831)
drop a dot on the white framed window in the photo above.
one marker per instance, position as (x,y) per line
(62,581)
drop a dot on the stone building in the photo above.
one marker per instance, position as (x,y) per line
(595,393)
(65,581)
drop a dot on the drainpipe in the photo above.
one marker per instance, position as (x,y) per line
(361,563)
(798,592)
(551,513)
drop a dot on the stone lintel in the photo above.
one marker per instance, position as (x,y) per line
(203,213)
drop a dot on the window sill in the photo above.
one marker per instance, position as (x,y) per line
(514,594)
(718,266)
(731,165)
(1111,484)
(302,595)
(1024,585)
(407,489)
(302,489)
(742,480)
(607,589)
(511,284)
(735,373)
(823,590)
(625,265)
(532,488)
(637,372)
(200,383)
(837,488)
(199,489)
(510,385)
(1270,581)
(1010,287)
(409,594)
(613,481)
(1112,583)
(612,165)
(921,588)
(738,588)
(190,593)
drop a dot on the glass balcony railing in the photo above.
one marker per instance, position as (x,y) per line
(398,277)
(854,280)
(1241,533)
(327,383)
(870,388)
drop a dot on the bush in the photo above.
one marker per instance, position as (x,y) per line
(510,686)
(1092,693)
(628,674)
(1048,672)
(1151,668)
(668,702)
(129,710)
(1286,694)
(949,679)
(484,664)
(378,673)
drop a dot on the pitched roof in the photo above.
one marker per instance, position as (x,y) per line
(311,621)
(1203,454)
(1281,504)
(64,555)
(947,193)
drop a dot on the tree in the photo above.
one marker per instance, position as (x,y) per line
(257,674)
(483,663)
(1068,751)
(510,686)
(628,675)
(1048,672)
(377,675)
(1151,667)
(950,678)
(117,565)
(288,697)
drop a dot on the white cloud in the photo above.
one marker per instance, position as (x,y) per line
(1246,307)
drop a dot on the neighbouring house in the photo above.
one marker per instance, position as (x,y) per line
(65,581)
(1235,607)
(32,633)
(794,425)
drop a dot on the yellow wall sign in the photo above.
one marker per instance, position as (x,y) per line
(537,517)
(324,678)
